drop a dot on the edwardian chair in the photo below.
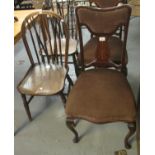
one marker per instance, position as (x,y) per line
(102,94)
(46,75)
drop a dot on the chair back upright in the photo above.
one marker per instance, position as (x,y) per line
(41,34)
(103,23)
(66,9)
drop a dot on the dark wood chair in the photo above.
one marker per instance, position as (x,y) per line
(102,94)
(46,75)
(65,10)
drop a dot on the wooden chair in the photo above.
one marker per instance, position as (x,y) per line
(63,9)
(46,75)
(102,94)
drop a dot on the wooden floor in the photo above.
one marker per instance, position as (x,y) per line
(135,7)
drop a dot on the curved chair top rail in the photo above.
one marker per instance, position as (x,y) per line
(46,30)
(104,20)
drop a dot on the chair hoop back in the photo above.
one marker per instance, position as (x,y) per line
(42,34)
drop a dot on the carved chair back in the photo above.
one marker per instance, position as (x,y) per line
(103,23)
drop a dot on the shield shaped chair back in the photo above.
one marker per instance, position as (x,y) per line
(103,23)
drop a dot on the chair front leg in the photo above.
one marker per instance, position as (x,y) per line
(26,105)
(71,125)
(132,129)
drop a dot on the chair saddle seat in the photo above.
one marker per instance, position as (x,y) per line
(43,79)
(115,48)
(71,50)
(101,96)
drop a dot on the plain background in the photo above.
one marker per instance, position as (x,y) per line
(147,76)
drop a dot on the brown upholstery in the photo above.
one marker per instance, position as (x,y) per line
(109,21)
(104,23)
(115,45)
(100,96)
(108,25)
(43,80)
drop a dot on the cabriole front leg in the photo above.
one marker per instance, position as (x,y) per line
(132,129)
(71,125)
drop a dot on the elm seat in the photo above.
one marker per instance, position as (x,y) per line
(43,79)
(115,46)
(47,73)
(108,99)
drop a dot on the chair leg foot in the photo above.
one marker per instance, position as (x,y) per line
(26,106)
(132,129)
(70,124)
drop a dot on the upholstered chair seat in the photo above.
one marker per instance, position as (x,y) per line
(94,101)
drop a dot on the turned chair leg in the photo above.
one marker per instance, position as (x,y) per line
(71,125)
(63,98)
(132,129)
(26,106)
